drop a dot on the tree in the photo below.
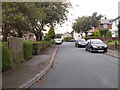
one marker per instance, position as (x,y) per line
(23,17)
(97,34)
(51,33)
(94,19)
(85,23)
(82,24)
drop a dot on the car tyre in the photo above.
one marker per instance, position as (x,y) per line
(91,50)
(105,50)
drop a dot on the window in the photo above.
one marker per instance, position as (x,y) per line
(105,26)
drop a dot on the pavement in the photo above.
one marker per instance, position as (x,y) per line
(28,73)
(77,68)
(113,53)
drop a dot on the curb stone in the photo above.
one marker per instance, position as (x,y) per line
(112,55)
(41,74)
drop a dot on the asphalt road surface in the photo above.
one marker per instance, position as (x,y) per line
(77,68)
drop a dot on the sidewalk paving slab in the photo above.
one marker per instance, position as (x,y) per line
(20,75)
(113,53)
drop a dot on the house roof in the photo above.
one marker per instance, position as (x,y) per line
(116,18)
(105,21)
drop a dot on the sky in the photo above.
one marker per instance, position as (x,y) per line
(109,8)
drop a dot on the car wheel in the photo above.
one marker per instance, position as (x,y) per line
(86,49)
(78,46)
(91,50)
(75,45)
(105,50)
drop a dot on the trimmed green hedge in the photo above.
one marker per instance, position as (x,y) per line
(27,48)
(6,57)
(38,46)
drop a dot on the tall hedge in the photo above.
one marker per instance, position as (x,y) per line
(38,46)
(6,57)
(27,48)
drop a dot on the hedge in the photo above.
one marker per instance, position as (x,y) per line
(38,46)
(6,57)
(27,48)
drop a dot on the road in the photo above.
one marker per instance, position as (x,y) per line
(77,68)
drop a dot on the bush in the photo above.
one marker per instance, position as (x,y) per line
(96,34)
(89,37)
(6,57)
(67,39)
(38,46)
(103,32)
(27,48)
(108,34)
(110,41)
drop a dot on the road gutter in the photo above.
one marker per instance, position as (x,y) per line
(41,74)
(112,55)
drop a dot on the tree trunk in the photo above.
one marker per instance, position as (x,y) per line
(5,31)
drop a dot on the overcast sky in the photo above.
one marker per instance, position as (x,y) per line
(86,8)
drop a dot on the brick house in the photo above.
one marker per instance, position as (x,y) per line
(106,23)
(30,37)
(67,34)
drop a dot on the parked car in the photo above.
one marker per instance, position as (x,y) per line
(58,41)
(95,45)
(72,40)
(80,43)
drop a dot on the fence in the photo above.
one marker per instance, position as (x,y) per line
(16,47)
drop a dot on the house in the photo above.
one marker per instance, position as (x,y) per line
(106,23)
(67,34)
(115,27)
(30,37)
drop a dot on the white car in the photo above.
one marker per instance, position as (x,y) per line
(58,41)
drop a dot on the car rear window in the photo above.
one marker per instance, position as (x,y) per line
(81,40)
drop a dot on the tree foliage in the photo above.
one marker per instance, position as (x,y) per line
(23,17)
(51,33)
(85,23)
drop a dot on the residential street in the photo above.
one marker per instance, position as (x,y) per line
(77,68)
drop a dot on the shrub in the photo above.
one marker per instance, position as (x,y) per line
(103,32)
(27,48)
(38,46)
(109,34)
(89,37)
(6,57)
(66,39)
(97,34)
(110,41)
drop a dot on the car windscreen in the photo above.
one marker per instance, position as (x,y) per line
(97,42)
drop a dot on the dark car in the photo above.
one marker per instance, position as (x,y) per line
(72,40)
(80,43)
(95,45)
